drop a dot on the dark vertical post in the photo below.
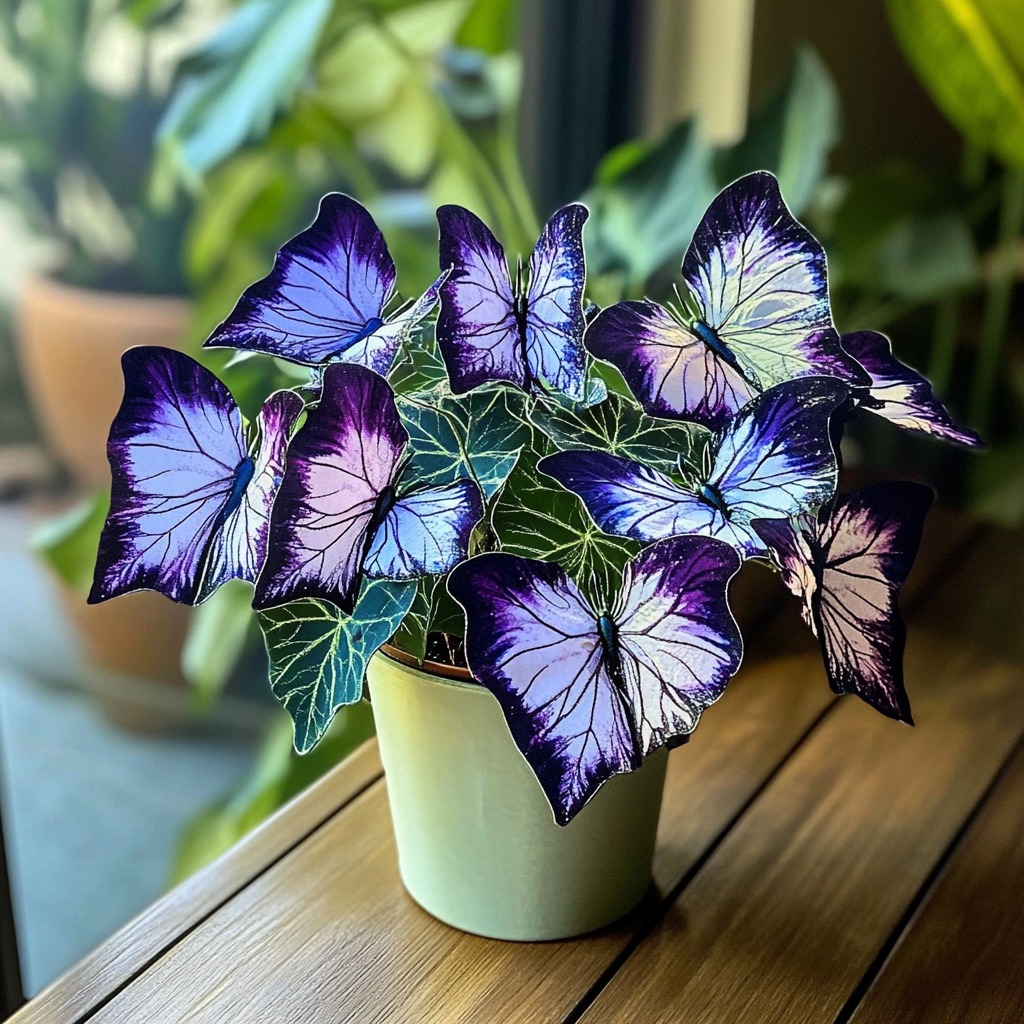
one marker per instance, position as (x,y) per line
(11,992)
(582,84)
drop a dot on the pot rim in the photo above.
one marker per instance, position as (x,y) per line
(450,675)
(48,281)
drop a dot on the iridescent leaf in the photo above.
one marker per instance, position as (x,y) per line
(493,329)
(588,690)
(847,564)
(618,427)
(475,435)
(775,455)
(318,655)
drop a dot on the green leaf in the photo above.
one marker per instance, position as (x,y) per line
(476,436)
(68,543)
(446,614)
(897,233)
(791,135)
(278,775)
(318,655)
(969,55)
(618,427)
(419,371)
(536,518)
(216,638)
(647,201)
(232,89)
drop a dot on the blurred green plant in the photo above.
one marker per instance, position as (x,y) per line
(969,55)
(278,775)
(405,104)
(76,138)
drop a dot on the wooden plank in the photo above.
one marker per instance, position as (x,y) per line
(763,715)
(788,914)
(330,930)
(963,957)
(328,934)
(113,964)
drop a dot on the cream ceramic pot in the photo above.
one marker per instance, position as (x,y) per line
(478,846)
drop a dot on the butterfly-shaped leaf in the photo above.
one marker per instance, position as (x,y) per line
(190,501)
(755,314)
(774,455)
(847,564)
(339,515)
(453,437)
(493,329)
(618,427)
(900,394)
(326,296)
(537,519)
(318,655)
(588,692)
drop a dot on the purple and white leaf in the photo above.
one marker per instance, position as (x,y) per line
(341,470)
(847,564)
(325,295)
(899,393)
(587,694)
(183,481)
(774,459)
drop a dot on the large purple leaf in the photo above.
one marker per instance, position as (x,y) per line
(671,371)
(337,485)
(900,394)
(774,459)
(586,694)
(759,280)
(177,457)
(756,314)
(477,329)
(325,295)
(847,564)
(488,331)
(554,304)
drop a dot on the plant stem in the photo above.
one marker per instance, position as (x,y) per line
(947,327)
(947,312)
(997,301)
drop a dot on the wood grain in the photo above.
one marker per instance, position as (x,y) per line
(963,959)
(789,913)
(113,964)
(307,921)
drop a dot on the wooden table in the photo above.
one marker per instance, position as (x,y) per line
(816,863)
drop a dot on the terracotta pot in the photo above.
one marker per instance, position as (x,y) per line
(134,640)
(70,345)
(70,342)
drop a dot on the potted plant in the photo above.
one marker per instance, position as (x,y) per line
(78,138)
(78,148)
(521,529)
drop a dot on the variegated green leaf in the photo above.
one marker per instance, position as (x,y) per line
(475,435)
(536,518)
(420,371)
(318,655)
(618,427)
